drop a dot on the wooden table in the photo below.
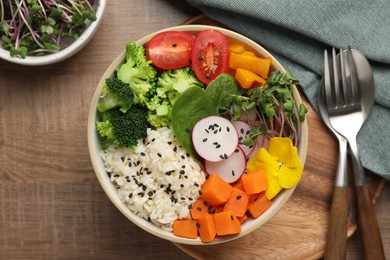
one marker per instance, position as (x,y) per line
(51,204)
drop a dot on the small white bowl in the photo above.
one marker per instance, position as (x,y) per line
(65,53)
(109,188)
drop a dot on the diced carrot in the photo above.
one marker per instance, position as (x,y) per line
(243,218)
(259,205)
(238,185)
(248,79)
(207,230)
(258,65)
(215,190)
(255,182)
(199,209)
(236,47)
(185,228)
(226,223)
(237,202)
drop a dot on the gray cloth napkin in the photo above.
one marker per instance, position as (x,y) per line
(297,32)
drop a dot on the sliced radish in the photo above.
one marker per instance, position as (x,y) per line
(230,169)
(214,138)
(244,132)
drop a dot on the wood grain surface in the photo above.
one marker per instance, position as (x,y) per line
(51,204)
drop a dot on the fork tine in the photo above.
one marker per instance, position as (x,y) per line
(336,77)
(327,80)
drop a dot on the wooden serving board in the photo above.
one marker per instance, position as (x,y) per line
(299,230)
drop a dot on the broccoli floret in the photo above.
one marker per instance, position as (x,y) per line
(123,129)
(170,85)
(138,72)
(115,93)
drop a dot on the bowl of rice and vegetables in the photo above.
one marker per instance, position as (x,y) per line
(197,134)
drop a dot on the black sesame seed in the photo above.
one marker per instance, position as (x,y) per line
(248,132)
(190,199)
(204,140)
(225,156)
(150,193)
(233,174)
(154,139)
(197,224)
(188,130)
(200,57)
(116,175)
(216,131)
(231,217)
(187,154)
(130,195)
(169,142)
(207,131)
(199,208)
(182,198)
(144,187)
(208,76)
(130,164)
(143,154)
(159,155)
(175,149)
(197,185)
(183,166)
(182,185)
(122,159)
(227,129)
(218,146)
(146,169)
(241,130)
(174,44)
(182,172)
(183,157)
(190,206)
(238,197)
(221,156)
(200,192)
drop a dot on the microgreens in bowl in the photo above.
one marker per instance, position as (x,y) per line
(41,27)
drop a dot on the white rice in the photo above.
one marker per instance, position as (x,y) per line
(157,180)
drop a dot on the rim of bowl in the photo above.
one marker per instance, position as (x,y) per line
(110,190)
(65,53)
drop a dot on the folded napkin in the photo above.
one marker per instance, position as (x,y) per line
(297,32)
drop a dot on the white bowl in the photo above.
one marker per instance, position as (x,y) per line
(65,53)
(110,189)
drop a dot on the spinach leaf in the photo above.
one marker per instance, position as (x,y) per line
(195,104)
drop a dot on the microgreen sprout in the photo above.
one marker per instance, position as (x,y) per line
(277,111)
(41,27)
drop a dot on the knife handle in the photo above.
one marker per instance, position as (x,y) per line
(368,224)
(337,228)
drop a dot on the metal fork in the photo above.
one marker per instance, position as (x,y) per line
(343,100)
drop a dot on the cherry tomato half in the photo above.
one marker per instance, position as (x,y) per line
(170,49)
(210,55)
